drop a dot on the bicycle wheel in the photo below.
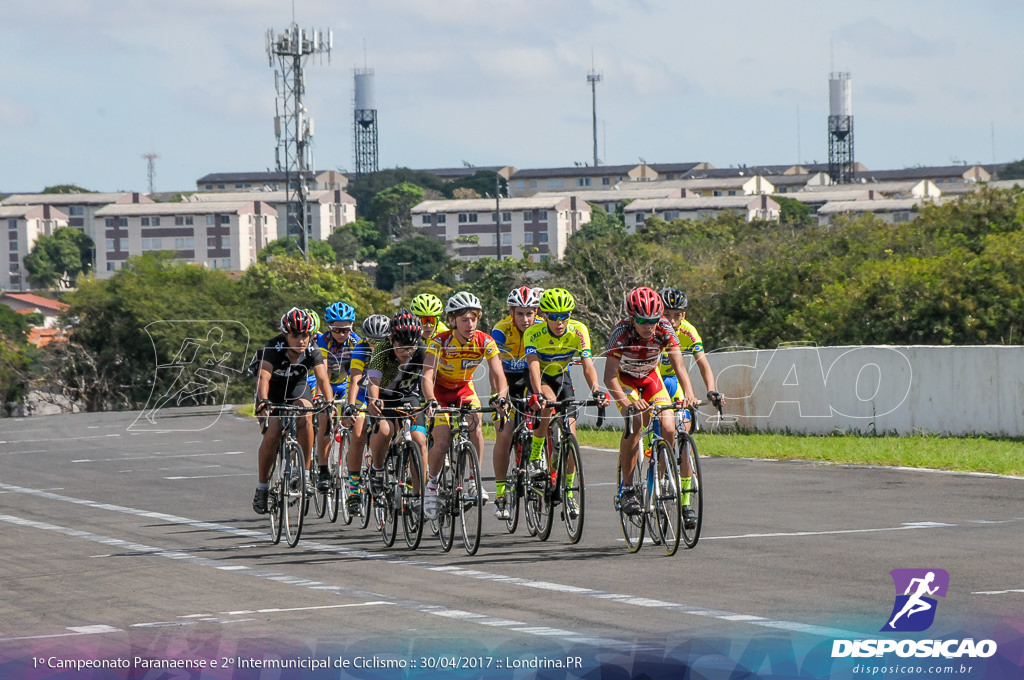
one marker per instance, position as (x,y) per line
(513,486)
(294,495)
(341,491)
(691,492)
(319,499)
(333,497)
(387,501)
(571,488)
(411,504)
(274,504)
(544,489)
(365,497)
(469,505)
(446,490)
(632,525)
(666,511)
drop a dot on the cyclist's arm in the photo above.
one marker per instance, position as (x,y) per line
(499,386)
(611,381)
(429,373)
(675,357)
(705,371)
(372,392)
(533,367)
(263,380)
(323,381)
(590,373)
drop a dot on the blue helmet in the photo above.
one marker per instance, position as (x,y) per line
(340,311)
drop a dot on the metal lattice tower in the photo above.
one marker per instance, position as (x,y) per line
(293,126)
(840,129)
(364,124)
(150,168)
(594,78)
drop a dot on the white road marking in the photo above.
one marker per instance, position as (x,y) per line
(903,527)
(75,631)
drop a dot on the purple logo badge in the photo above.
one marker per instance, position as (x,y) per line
(916,589)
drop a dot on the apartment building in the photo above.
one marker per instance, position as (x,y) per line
(760,207)
(326,210)
(889,210)
(25,224)
(472,227)
(601,177)
(219,235)
(272,181)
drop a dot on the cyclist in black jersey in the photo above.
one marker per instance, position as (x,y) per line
(284,364)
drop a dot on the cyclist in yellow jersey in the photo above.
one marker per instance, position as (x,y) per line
(689,343)
(452,358)
(428,307)
(549,348)
(508,334)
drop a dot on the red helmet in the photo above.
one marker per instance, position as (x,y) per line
(523,297)
(645,303)
(296,321)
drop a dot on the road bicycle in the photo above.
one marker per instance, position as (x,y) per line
(459,483)
(656,483)
(519,456)
(399,496)
(560,480)
(286,500)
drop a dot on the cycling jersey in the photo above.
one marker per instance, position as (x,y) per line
(456,360)
(396,380)
(338,354)
(555,353)
(638,357)
(510,343)
(689,343)
(288,380)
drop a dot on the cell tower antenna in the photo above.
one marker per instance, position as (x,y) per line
(293,126)
(593,77)
(150,168)
(840,129)
(364,123)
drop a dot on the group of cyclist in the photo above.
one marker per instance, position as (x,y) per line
(429,354)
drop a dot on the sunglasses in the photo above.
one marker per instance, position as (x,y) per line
(644,321)
(340,329)
(429,320)
(563,316)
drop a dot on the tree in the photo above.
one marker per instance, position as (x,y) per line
(60,258)
(481,183)
(1013,170)
(426,258)
(66,189)
(366,187)
(391,209)
(794,213)
(319,251)
(369,239)
(345,245)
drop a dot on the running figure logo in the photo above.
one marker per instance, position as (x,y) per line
(914,608)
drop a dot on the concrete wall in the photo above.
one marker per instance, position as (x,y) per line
(901,389)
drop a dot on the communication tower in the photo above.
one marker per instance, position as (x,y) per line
(840,129)
(364,124)
(150,168)
(293,126)
(594,78)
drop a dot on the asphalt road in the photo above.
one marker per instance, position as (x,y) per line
(121,537)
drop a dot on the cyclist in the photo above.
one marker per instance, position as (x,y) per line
(689,343)
(549,348)
(376,327)
(633,355)
(508,334)
(429,309)
(284,365)
(392,381)
(452,357)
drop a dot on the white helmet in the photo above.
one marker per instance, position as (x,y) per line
(462,300)
(376,327)
(524,297)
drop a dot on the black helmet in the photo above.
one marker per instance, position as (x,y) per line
(673,298)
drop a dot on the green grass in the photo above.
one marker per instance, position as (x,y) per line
(965,454)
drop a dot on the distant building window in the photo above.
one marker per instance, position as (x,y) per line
(463,218)
(76,210)
(542,215)
(639,218)
(184,243)
(209,186)
(156,221)
(209,219)
(716,192)
(225,263)
(110,245)
(108,222)
(220,186)
(606,181)
(12,224)
(506,216)
(528,237)
(542,237)
(225,242)
(528,216)
(732,192)
(225,219)
(672,215)
(111,266)
(533,184)
(583,181)
(555,183)
(144,221)
(901,216)
(151,244)
(506,238)
(520,184)
(441,219)
(183,220)
(425,219)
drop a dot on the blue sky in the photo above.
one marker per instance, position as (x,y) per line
(89,86)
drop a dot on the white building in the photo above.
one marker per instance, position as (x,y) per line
(751,207)
(219,235)
(889,210)
(25,224)
(540,224)
(325,210)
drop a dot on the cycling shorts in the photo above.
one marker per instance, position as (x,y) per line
(562,387)
(650,388)
(464,394)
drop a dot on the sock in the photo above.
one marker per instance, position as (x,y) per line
(353,482)
(570,479)
(500,488)
(684,485)
(263,485)
(536,448)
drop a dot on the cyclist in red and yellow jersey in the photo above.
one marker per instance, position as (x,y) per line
(452,358)
(634,352)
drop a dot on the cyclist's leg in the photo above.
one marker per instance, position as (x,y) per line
(503,443)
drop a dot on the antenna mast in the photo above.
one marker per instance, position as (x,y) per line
(593,77)
(150,168)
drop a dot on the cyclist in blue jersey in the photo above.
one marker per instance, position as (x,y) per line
(337,343)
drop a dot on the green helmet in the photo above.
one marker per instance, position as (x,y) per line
(557,301)
(316,320)
(426,304)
